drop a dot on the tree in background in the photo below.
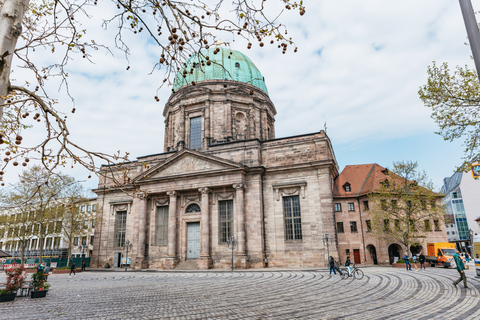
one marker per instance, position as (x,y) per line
(17,225)
(42,199)
(454,97)
(179,28)
(405,206)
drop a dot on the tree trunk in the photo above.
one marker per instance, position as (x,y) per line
(22,258)
(41,240)
(11,16)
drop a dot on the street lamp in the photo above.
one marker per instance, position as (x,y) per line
(327,242)
(127,245)
(233,242)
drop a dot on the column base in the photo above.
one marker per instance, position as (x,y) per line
(170,263)
(205,263)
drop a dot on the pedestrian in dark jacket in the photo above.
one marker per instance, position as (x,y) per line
(421,259)
(84,265)
(460,269)
(72,269)
(331,262)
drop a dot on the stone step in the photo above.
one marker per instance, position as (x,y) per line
(187,265)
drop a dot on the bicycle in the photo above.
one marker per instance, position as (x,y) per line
(355,273)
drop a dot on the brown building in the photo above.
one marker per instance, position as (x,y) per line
(223,173)
(353,222)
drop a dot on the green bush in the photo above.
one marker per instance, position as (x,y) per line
(403,261)
(63,268)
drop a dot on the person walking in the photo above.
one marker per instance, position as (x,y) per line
(460,269)
(331,263)
(467,257)
(421,259)
(72,269)
(84,265)
(408,265)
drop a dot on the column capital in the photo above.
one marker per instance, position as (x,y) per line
(142,195)
(171,193)
(204,190)
(237,186)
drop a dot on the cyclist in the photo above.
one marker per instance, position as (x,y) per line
(348,265)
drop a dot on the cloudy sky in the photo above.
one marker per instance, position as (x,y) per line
(358,70)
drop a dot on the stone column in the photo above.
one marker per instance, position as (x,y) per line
(240,213)
(172,231)
(142,229)
(182,127)
(205,260)
(206,115)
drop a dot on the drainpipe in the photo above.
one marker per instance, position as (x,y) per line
(265,260)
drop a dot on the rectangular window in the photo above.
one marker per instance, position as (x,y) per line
(162,226)
(340,227)
(89,208)
(51,227)
(351,206)
(293,221)
(437,225)
(34,244)
(93,224)
(84,240)
(120,228)
(397,224)
(428,227)
(423,203)
(338,207)
(409,204)
(49,243)
(369,225)
(383,204)
(386,225)
(85,224)
(195,133)
(75,241)
(56,243)
(394,203)
(365,205)
(433,204)
(94,207)
(58,226)
(353,226)
(91,240)
(225,220)
(347,252)
(83,208)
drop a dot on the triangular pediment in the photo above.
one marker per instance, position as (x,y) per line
(189,162)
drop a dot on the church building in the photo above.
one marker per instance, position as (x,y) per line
(223,179)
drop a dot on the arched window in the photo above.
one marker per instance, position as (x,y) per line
(237,65)
(193,208)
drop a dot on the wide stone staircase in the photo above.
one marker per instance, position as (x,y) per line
(187,265)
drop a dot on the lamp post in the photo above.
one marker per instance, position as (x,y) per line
(84,246)
(233,243)
(127,245)
(327,241)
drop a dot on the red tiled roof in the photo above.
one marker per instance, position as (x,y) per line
(363,179)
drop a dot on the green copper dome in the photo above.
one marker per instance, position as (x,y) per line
(236,67)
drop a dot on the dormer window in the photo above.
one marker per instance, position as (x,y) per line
(386,184)
(237,65)
(347,188)
(386,172)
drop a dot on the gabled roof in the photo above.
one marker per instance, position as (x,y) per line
(363,179)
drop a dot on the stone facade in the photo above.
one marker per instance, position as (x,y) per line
(275,196)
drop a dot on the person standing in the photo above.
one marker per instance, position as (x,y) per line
(84,265)
(460,269)
(408,265)
(421,259)
(348,265)
(72,269)
(331,263)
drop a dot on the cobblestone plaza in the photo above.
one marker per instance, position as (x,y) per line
(384,293)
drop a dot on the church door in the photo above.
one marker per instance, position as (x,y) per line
(193,240)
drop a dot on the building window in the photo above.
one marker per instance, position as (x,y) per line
(428,227)
(369,226)
(93,224)
(75,241)
(49,243)
(437,225)
(383,204)
(58,227)
(84,240)
(386,225)
(448,233)
(351,206)
(386,183)
(195,133)
(56,243)
(237,65)
(85,224)
(338,207)
(89,208)
(120,228)
(347,187)
(82,208)
(353,226)
(394,203)
(91,240)
(193,208)
(162,226)
(397,224)
(293,221)
(340,227)
(347,252)
(225,220)
(423,203)
(433,204)
(94,207)
(365,205)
